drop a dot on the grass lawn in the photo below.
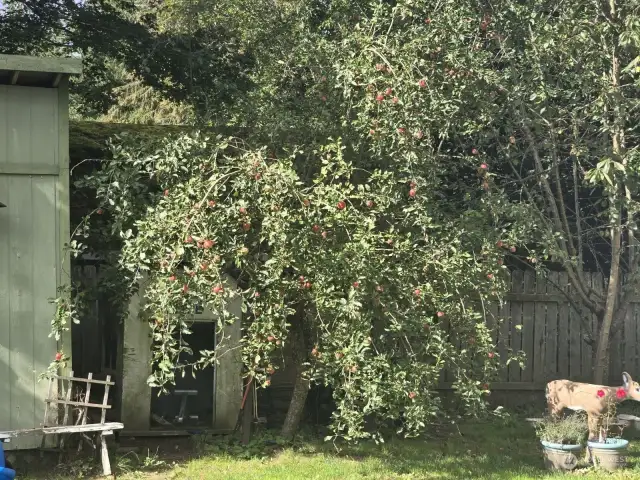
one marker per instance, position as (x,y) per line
(475,451)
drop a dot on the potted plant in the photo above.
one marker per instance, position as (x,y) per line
(562,440)
(609,450)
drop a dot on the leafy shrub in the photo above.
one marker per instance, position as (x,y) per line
(570,430)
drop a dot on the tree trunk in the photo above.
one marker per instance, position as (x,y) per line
(617,140)
(301,385)
(296,407)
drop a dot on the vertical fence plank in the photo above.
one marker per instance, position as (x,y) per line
(501,313)
(539,328)
(528,311)
(629,341)
(445,374)
(636,324)
(575,340)
(551,337)
(563,329)
(517,286)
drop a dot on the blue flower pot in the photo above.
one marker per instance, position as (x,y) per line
(609,455)
(560,457)
(5,473)
(560,446)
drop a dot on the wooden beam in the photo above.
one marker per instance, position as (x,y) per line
(14,77)
(84,380)
(29,169)
(511,386)
(89,427)
(56,80)
(69,66)
(77,404)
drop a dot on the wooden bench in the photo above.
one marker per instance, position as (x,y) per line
(76,424)
(184,394)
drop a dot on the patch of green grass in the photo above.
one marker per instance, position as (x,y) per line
(503,450)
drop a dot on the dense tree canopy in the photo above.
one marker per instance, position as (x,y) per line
(399,154)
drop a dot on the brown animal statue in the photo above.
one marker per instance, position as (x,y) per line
(594,400)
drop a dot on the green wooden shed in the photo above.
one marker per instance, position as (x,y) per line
(34,226)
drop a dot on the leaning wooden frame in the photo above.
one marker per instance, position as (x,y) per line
(66,423)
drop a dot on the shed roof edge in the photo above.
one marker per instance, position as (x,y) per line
(23,63)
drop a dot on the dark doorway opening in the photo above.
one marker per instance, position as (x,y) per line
(194,393)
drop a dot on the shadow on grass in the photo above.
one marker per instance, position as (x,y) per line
(471,451)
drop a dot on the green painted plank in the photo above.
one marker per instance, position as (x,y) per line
(528,318)
(18,125)
(5,330)
(517,286)
(21,271)
(563,329)
(43,133)
(44,282)
(4,114)
(62,201)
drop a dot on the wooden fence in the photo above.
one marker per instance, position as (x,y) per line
(538,319)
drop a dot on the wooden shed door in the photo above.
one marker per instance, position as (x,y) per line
(29,251)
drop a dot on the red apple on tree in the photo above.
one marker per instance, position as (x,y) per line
(246,226)
(412,193)
(208,243)
(379,98)
(58,357)
(422,83)
(388,91)
(412,395)
(341,205)
(369,204)
(440,314)
(217,289)
(316,228)
(356,284)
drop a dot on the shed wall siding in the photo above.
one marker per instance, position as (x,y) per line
(29,256)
